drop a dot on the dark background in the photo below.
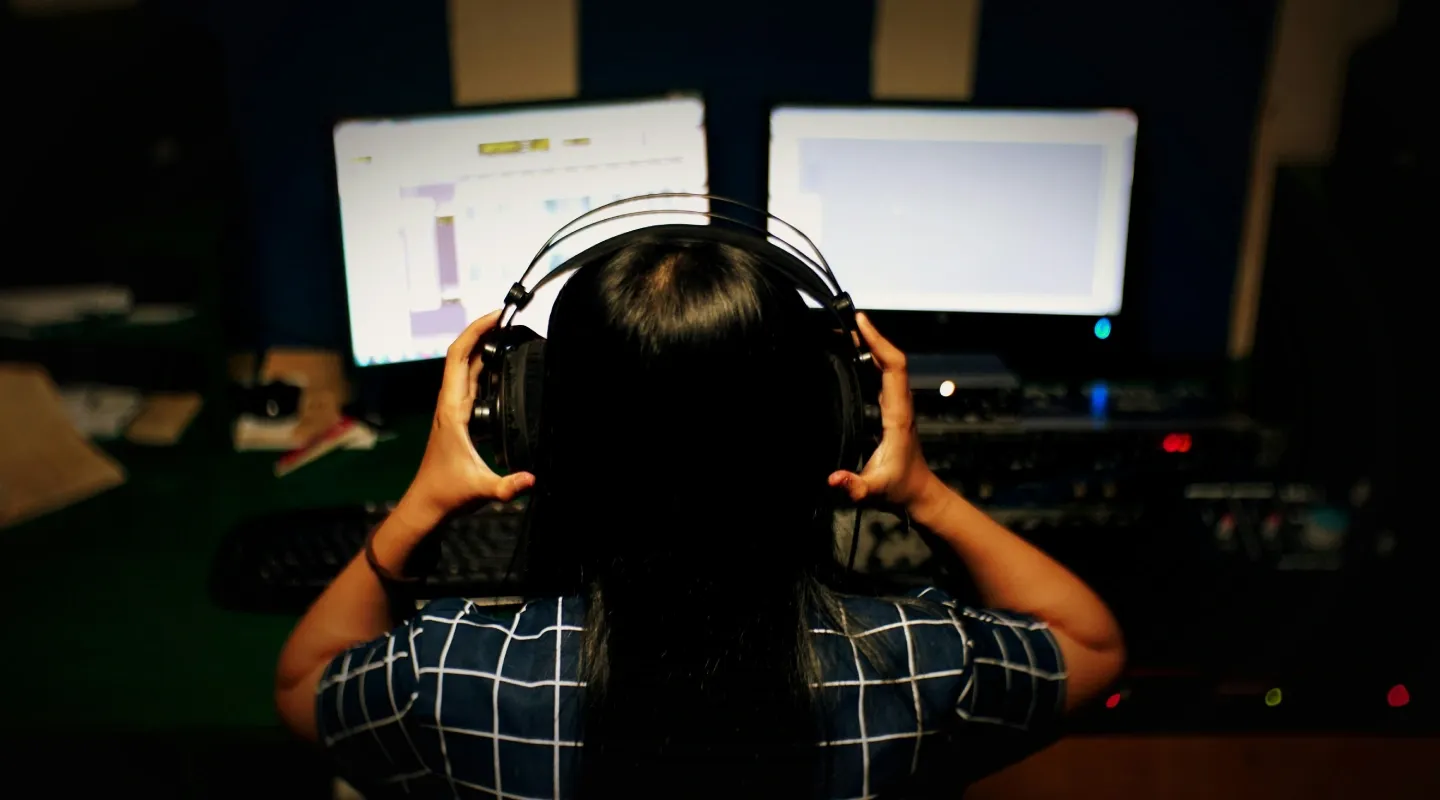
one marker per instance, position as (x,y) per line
(256,87)
(184,148)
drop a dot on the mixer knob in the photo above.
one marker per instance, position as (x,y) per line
(1225,530)
(1270,530)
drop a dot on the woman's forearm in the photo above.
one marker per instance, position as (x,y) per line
(1013,574)
(353,609)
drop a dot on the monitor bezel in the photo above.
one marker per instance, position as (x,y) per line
(426,365)
(1050,344)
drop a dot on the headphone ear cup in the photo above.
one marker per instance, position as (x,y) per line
(849,411)
(522,389)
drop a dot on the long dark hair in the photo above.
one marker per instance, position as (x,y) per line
(689,422)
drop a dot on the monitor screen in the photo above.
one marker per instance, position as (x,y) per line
(961,209)
(440,215)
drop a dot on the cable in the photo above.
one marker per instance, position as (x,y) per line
(854,542)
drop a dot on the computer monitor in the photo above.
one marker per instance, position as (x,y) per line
(961,209)
(441,214)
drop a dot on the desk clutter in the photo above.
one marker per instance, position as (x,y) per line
(291,400)
(61,443)
(285,397)
(104,412)
(49,458)
(45,462)
(90,371)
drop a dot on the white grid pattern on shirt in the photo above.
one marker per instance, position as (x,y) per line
(906,624)
(371,724)
(340,698)
(914,690)
(365,712)
(480,787)
(559,627)
(347,732)
(440,697)
(860,712)
(346,673)
(495,693)
(497,679)
(1030,668)
(395,709)
(912,677)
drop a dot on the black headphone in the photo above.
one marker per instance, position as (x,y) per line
(507,400)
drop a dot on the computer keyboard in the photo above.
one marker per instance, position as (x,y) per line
(281,562)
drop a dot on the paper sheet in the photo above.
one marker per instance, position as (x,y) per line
(259,433)
(164,418)
(99,411)
(45,464)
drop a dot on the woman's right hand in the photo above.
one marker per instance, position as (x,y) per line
(896,472)
(452,474)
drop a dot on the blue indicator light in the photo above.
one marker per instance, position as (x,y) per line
(1099,399)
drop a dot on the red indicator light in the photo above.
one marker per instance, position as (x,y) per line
(1398,696)
(1112,701)
(1176,443)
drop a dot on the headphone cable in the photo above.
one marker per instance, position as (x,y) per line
(854,542)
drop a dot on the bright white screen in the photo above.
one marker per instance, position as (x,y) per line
(1020,212)
(440,215)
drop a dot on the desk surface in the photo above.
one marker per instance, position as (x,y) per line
(108,617)
(108,613)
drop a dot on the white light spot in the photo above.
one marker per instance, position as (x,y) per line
(947,388)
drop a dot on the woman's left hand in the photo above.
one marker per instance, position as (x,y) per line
(452,475)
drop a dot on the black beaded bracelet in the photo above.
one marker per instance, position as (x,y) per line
(385,575)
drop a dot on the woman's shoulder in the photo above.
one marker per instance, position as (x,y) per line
(930,617)
(480,629)
(891,638)
(519,644)
(513,615)
(927,603)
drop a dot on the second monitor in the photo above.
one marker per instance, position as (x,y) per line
(961,209)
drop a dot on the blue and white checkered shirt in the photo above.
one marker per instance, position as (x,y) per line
(468,701)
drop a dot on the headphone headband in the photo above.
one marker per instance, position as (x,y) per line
(819,262)
(811,276)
